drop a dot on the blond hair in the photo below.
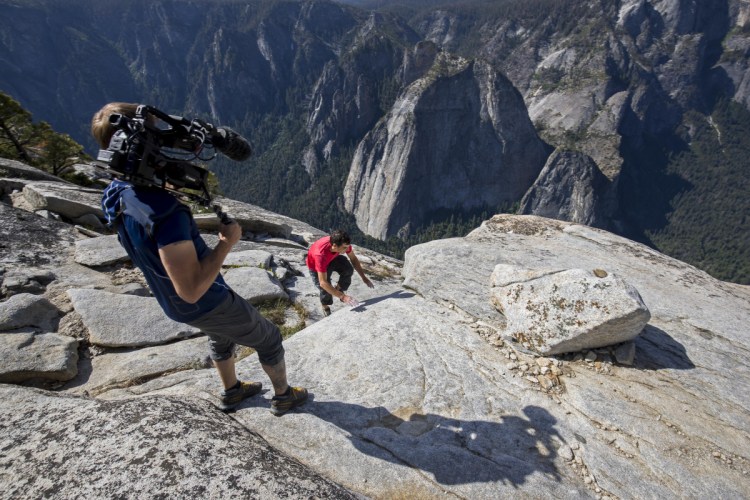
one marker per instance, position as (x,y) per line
(101,129)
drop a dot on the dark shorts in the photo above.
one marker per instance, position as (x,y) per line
(343,268)
(235,321)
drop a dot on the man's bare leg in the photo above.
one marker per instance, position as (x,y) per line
(227,374)
(277,374)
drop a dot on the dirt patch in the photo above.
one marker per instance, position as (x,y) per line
(523,225)
(128,274)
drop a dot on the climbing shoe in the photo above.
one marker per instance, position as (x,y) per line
(292,398)
(231,398)
(326,310)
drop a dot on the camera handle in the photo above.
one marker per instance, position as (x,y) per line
(223,217)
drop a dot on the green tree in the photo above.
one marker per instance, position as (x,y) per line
(59,153)
(36,144)
(17,131)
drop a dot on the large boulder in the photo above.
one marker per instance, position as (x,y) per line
(121,368)
(27,240)
(255,284)
(255,258)
(30,356)
(26,309)
(118,320)
(16,169)
(66,199)
(553,312)
(100,251)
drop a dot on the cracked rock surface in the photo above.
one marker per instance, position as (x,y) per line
(428,389)
(416,392)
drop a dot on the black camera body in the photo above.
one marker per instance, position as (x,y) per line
(144,154)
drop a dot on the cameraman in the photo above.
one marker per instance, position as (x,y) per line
(162,239)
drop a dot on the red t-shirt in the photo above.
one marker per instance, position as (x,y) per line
(320,255)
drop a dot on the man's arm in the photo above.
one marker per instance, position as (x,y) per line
(358,268)
(326,285)
(192,277)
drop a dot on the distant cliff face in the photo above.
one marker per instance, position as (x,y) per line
(601,77)
(229,62)
(634,86)
(353,91)
(457,138)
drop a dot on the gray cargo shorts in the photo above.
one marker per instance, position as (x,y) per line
(235,321)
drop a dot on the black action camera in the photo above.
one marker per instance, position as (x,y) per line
(143,153)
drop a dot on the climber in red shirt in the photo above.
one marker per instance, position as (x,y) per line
(325,257)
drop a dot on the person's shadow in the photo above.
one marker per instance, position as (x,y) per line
(453,451)
(398,294)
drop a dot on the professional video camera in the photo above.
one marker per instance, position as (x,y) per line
(144,153)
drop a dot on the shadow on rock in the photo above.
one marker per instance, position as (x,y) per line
(657,350)
(398,294)
(453,451)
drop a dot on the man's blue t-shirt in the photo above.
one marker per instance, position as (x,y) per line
(149,219)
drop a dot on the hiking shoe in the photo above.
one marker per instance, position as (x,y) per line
(326,311)
(294,397)
(231,398)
